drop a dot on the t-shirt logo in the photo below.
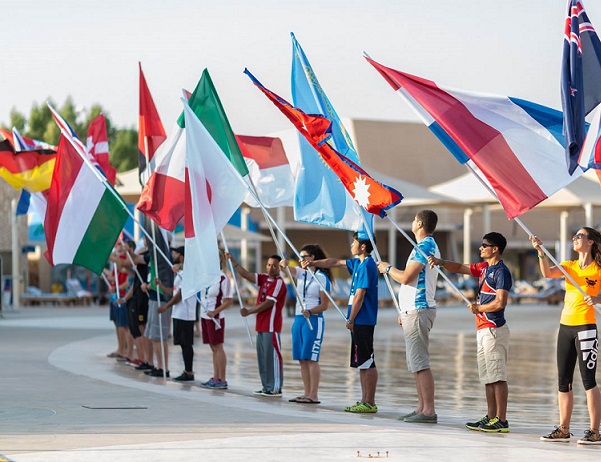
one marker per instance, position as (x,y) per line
(590,282)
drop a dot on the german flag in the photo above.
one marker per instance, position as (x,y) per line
(26,169)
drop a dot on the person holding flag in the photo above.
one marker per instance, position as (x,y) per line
(361,317)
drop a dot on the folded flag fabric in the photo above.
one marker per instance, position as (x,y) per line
(374,197)
(580,77)
(518,145)
(320,198)
(84,217)
(269,170)
(24,143)
(26,169)
(97,145)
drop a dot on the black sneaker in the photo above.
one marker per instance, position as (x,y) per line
(184,377)
(590,437)
(558,435)
(259,392)
(476,425)
(158,373)
(150,371)
(144,367)
(271,393)
(495,425)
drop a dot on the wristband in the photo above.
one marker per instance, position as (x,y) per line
(349,321)
(542,256)
(441,265)
(388,269)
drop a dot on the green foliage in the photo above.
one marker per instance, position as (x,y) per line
(123,142)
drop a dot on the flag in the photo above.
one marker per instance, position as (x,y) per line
(374,197)
(161,239)
(580,77)
(517,144)
(29,143)
(68,131)
(269,169)
(151,133)
(213,194)
(84,218)
(97,145)
(162,198)
(320,198)
(26,169)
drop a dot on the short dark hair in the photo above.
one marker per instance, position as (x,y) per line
(368,245)
(275,257)
(496,239)
(429,219)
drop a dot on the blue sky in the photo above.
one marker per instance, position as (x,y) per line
(90,50)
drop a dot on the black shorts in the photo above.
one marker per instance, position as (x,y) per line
(132,318)
(183,332)
(362,347)
(577,344)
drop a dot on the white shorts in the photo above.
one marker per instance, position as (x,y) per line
(493,350)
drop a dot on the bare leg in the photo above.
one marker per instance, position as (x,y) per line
(219,361)
(566,404)
(501,394)
(369,381)
(491,400)
(314,377)
(593,402)
(425,392)
(305,375)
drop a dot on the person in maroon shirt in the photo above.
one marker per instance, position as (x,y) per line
(268,308)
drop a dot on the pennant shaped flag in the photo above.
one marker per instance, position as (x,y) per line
(374,197)
(97,145)
(26,169)
(205,103)
(214,191)
(320,198)
(518,145)
(151,133)
(269,170)
(84,218)
(580,77)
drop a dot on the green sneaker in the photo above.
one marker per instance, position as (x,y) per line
(476,425)
(348,408)
(495,425)
(363,408)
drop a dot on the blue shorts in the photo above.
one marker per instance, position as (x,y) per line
(118,314)
(306,343)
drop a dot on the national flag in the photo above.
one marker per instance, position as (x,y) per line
(269,170)
(84,217)
(162,268)
(68,131)
(29,143)
(97,145)
(26,169)
(590,155)
(517,144)
(320,198)
(162,198)
(374,197)
(580,77)
(151,133)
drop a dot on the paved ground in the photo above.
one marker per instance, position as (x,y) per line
(62,399)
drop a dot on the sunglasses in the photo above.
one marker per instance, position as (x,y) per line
(485,245)
(579,236)
(305,256)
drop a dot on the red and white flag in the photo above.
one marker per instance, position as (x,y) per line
(269,170)
(97,145)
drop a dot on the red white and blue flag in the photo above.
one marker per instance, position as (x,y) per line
(518,145)
(580,78)
(373,196)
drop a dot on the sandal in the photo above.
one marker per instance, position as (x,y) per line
(296,400)
(307,401)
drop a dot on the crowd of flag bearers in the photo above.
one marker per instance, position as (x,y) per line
(199,175)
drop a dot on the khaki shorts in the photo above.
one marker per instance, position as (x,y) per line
(416,327)
(493,350)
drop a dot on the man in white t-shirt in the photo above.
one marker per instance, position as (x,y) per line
(418,312)
(184,317)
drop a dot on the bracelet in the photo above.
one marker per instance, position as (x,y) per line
(236,265)
(309,311)
(388,269)
(542,256)
(349,321)
(441,265)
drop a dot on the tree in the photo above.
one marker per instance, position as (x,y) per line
(124,150)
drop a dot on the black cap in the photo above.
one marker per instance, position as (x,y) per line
(179,249)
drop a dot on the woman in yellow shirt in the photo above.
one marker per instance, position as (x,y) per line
(577,337)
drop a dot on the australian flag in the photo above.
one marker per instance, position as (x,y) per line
(580,78)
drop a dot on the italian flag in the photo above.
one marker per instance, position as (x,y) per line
(84,217)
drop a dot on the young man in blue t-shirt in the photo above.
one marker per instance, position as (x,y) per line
(361,316)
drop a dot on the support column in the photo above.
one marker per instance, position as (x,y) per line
(563,235)
(467,235)
(16,255)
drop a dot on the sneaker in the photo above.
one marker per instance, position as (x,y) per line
(222,385)
(406,416)
(557,435)
(590,437)
(348,408)
(134,362)
(422,418)
(363,408)
(158,373)
(273,394)
(259,392)
(184,377)
(476,425)
(209,383)
(150,371)
(144,367)
(495,425)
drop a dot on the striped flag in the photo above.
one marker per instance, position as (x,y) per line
(97,145)
(518,145)
(26,169)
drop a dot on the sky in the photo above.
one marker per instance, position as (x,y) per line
(90,50)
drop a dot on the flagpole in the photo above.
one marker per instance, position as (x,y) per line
(231,266)
(215,321)
(525,228)
(416,247)
(373,243)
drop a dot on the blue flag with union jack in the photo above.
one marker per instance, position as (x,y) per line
(580,78)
